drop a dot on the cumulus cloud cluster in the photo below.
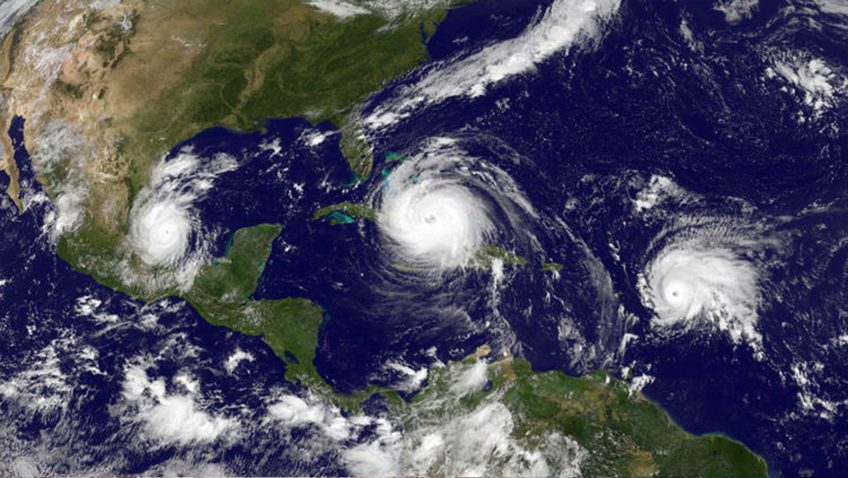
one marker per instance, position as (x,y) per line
(339,8)
(172,417)
(43,387)
(60,157)
(390,9)
(735,11)
(819,83)
(448,438)
(658,189)
(375,457)
(443,437)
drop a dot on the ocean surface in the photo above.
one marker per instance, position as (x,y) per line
(672,129)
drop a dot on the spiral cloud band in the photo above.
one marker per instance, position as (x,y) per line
(438,222)
(696,280)
(164,228)
(439,209)
(161,233)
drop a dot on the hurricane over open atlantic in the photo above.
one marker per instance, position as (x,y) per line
(424,238)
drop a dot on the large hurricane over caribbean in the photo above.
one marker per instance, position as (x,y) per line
(440,209)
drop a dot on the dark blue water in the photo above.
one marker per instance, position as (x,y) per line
(40,304)
(644,103)
(581,137)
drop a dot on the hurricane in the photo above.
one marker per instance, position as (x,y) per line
(706,273)
(437,210)
(165,230)
(161,233)
(434,221)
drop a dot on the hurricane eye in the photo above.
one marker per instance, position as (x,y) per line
(438,210)
(686,282)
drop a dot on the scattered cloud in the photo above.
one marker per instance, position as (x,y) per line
(735,11)
(339,8)
(170,417)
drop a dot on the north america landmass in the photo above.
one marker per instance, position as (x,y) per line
(109,89)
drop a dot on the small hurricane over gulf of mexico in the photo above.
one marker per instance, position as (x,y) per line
(165,231)
(162,232)
(705,271)
(437,210)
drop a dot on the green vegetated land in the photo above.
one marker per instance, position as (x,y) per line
(259,59)
(623,433)
(487,254)
(626,434)
(221,294)
(345,213)
(278,58)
